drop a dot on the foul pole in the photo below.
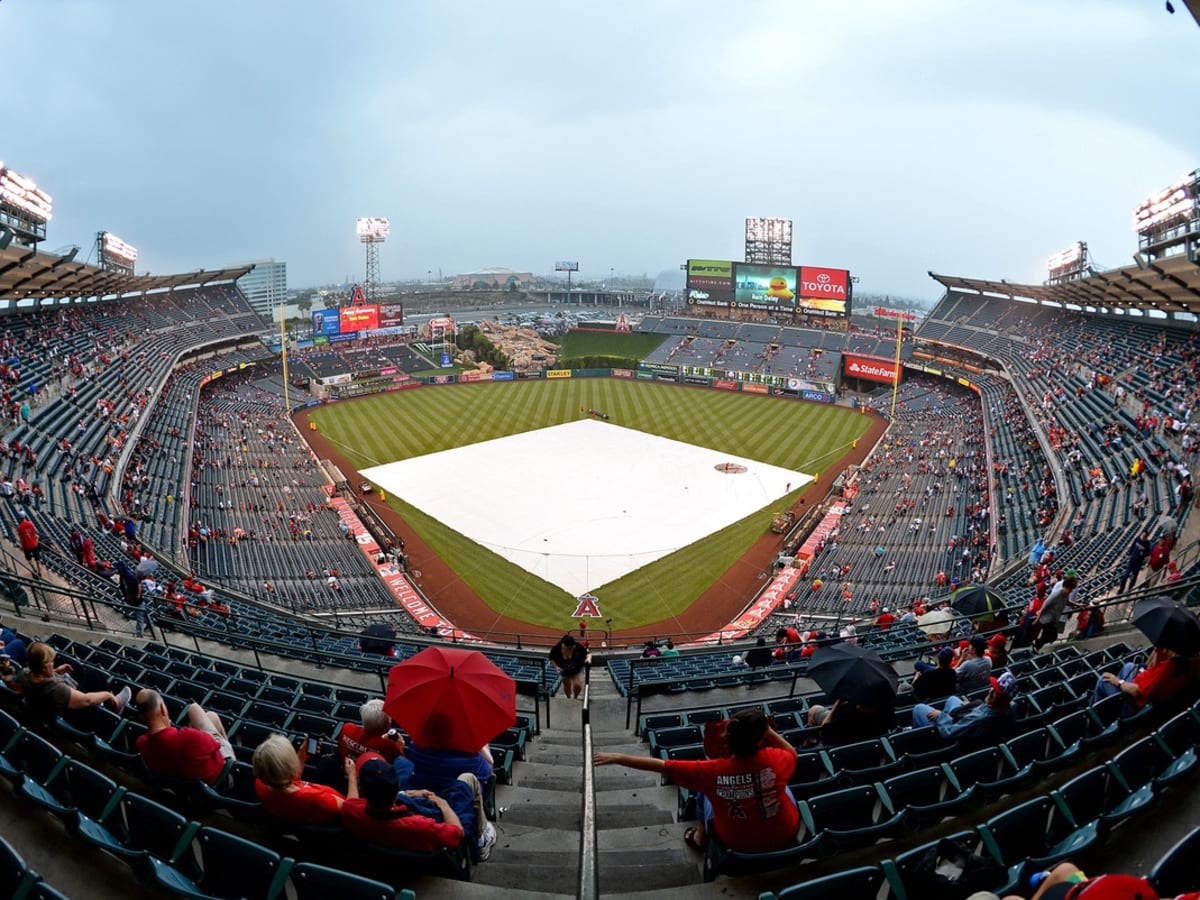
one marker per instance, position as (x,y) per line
(287,403)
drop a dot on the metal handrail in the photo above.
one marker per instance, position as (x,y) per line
(588,887)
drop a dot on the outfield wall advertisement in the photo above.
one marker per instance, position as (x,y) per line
(881,370)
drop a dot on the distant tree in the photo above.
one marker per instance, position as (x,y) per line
(304,304)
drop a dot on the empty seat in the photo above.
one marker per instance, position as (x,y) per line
(850,818)
(926,796)
(1175,872)
(863,882)
(1035,836)
(313,882)
(224,865)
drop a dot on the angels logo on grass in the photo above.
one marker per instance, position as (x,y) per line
(588,606)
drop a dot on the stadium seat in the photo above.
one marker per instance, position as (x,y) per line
(925,796)
(865,761)
(16,878)
(863,882)
(313,882)
(1147,762)
(1176,872)
(812,776)
(136,829)
(850,818)
(227,866)
(1035,836)
(916,747)
(720,859)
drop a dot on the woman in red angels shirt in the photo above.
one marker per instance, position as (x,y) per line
(745,794)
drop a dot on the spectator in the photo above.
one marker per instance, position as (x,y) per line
(277,782)
(669,651)
(1067,882)
(974,669)
(981,721)
(30,545)
(997,651)
(744,796)
(933,683)
(435,768)
(885,619)
(788,642)
(419,821)
(200,749)
(1139,552)
(372,736)
(848,723)
(1160,557)
(759,656)
(570,658)
(49,690)
(1091,621)
(650,650)
(131,594)
(13,646)
(1165,674)
(1057,609)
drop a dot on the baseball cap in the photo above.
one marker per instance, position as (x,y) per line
(997,640)
(1113,887)
(979,645)
(377,782)
(1006,684)
(945,655)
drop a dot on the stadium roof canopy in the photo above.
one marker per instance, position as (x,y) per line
(27,274)
(1168,285)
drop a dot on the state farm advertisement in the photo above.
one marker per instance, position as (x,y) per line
(881,370)
(824,292)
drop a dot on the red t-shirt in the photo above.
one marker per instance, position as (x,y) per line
(1161,680)
(308,804)
(752,811)
(885,621)
(352,744)
(182,753)
(28,535)
(418,833)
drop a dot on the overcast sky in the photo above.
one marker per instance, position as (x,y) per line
(971,137)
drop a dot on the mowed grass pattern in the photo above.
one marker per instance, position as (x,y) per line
(807,437)
(634,345)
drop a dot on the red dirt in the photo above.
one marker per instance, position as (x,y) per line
(714,609)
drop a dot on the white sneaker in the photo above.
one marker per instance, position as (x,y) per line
(487,840)
(122,699)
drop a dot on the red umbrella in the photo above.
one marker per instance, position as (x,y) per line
(450,698)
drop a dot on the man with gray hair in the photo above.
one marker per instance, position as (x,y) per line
(372,736)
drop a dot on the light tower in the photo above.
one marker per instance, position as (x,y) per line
(372,233)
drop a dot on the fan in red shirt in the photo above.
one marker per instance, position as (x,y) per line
(371,736)
(745,794)
(28,536)
(199,750)
(277,770)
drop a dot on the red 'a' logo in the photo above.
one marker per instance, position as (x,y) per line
(588,606)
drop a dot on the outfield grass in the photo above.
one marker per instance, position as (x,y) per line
(600,343)
(803,436)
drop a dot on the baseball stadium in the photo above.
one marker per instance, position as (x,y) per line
(406,605)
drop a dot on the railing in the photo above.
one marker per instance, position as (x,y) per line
(588,887)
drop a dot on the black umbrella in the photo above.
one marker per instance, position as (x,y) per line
(378,638)
(977,601)
(853,673)
(1167,624)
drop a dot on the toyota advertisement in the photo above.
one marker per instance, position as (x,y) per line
(764,287)
(709,282)
(869,368)
(824,292)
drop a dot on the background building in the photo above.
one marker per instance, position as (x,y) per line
(496,277)
(265,286)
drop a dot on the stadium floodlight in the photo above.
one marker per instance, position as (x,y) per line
(23,194)
(1169,206)
(373,229)
(1070,260)
(117,250)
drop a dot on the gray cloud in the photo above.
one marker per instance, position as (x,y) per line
(967,138)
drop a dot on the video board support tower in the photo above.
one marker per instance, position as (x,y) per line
(372,232)
(372,276)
